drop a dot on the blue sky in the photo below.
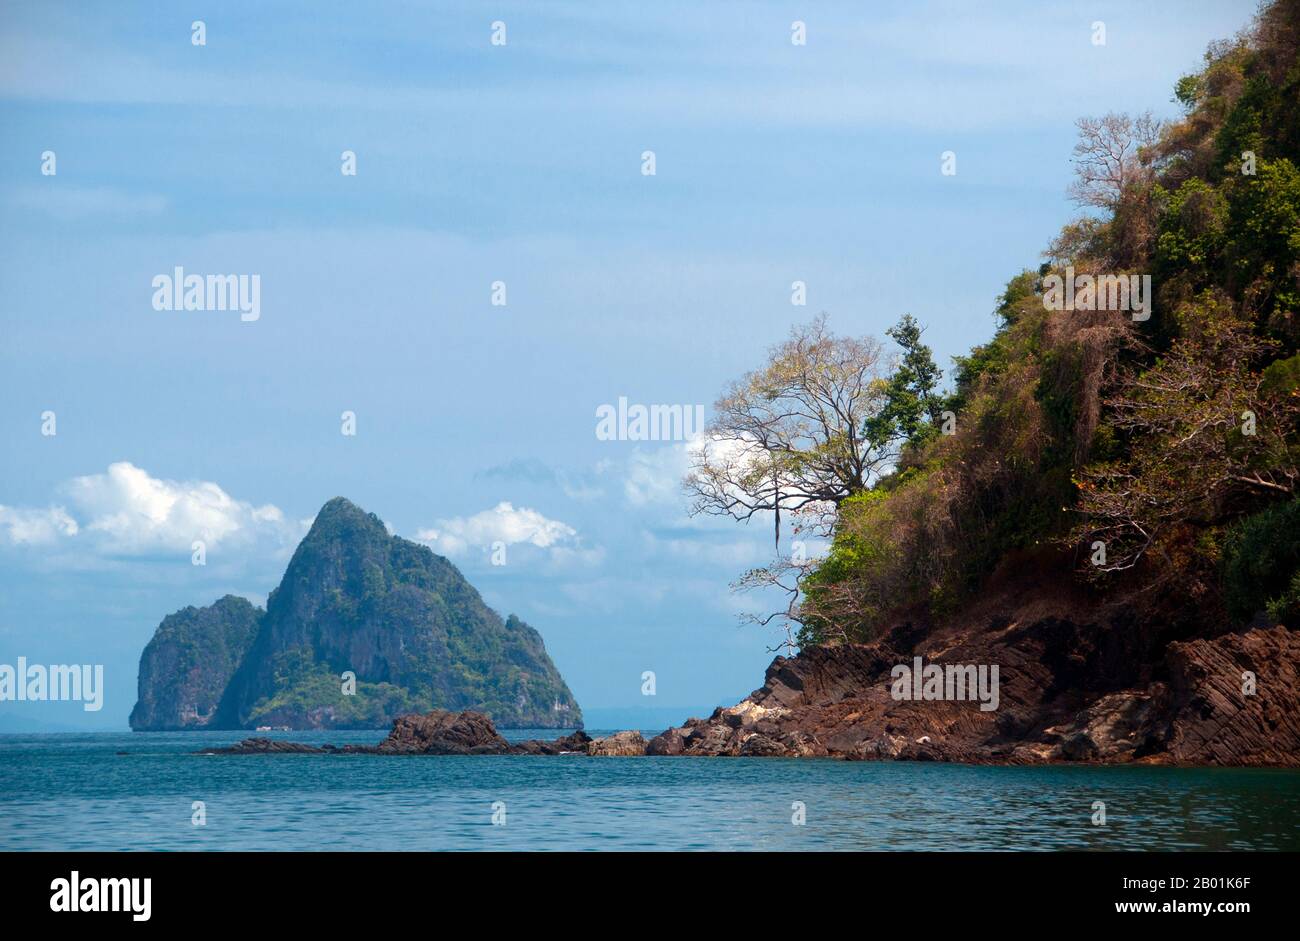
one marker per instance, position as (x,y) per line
(477,163)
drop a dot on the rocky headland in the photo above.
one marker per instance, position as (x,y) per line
(1078,682)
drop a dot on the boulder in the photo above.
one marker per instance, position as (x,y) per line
(671,742)
(265,746)
(624,744)
(442,732)
(760,746)
(575,744)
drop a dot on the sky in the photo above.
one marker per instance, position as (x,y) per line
(520,163)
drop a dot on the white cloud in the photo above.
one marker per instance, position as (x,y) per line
(503,523)
(741,457)
(127,511)
(656,476)
(24,526)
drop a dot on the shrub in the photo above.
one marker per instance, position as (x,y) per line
(1261,564)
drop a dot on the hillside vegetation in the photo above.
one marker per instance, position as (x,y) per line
(1156,457)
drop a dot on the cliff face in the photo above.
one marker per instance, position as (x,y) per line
(186,667)
(414,632)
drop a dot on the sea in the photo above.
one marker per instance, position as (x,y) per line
(150,791)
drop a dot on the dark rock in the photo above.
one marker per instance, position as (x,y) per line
(575,744)
(760,746)
(802,745)
(1213,721)
(441,732)
(1077,683)
(671,742)
(264,746)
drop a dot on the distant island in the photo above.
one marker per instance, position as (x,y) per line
(363,628)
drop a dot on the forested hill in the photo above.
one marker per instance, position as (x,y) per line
(1101,510)
(1151,444)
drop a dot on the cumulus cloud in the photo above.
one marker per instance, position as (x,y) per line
(127,511)
(35,527)
(503,523)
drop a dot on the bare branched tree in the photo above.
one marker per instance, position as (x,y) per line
(1207,432)
(785,576)
(789,437)
(1113,153)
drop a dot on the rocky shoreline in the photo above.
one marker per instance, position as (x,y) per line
(835,702)
(1088,687)
(442,732)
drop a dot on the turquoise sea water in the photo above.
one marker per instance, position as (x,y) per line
(74,792)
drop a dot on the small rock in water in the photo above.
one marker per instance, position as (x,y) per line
(623,744)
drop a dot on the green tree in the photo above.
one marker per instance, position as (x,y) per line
(912,408)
